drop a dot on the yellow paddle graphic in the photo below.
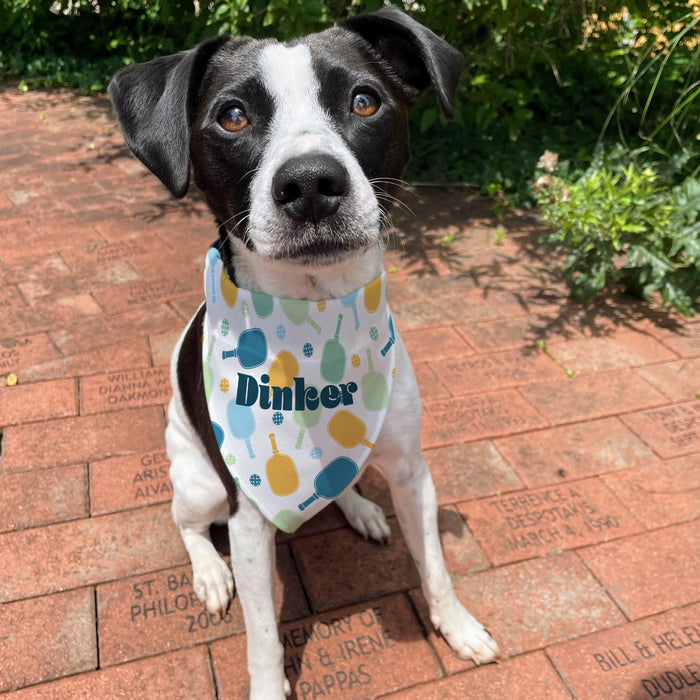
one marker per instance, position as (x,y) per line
(283,369)
(373,293)
(229,291)
(348,430)
(281,472)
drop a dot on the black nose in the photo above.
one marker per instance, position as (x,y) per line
(310,187)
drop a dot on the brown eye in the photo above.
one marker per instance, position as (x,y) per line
(364,104)
(233,119)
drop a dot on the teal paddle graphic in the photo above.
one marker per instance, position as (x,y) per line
(332,480)
(392,337)
(333,357)
(350,302)
(297,311)
(252,348)
(374,389)
(241,423)
(262,303)
(218,433)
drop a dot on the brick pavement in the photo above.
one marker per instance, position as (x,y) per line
(568,505)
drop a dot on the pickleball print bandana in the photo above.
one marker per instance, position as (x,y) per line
(297,390)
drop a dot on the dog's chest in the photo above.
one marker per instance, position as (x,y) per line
(296,390)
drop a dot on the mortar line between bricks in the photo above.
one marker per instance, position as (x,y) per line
(212,669)
(553,664)
(426,631)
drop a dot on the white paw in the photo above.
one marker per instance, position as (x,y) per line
(213,584)
(365,517)
(269,689)
(466,635)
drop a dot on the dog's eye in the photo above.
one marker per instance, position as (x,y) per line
(233,119)
(364,104)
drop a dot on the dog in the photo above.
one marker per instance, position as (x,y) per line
(296,147)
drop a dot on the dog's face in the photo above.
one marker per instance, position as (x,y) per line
(293,145)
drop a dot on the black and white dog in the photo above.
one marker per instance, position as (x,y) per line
(295,146)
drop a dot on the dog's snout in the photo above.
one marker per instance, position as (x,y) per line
(310,187)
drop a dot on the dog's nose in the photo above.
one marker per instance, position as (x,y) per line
(310,187)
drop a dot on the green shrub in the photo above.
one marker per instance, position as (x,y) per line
(620,225)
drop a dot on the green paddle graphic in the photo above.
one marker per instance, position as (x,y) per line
(305,419)
(297,311)
(333,357)
(375,389)
(207,371)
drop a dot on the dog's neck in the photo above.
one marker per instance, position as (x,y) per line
(282,278)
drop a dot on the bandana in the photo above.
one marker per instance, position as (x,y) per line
(297,390)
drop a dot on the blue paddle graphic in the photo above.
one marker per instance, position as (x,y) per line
(332,480)
(392,337)
(252,348)
(241,422)
(218,433)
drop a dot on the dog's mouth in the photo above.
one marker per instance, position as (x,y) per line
(316,244)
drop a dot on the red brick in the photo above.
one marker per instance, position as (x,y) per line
(605,353)
(70,440)
(134,388)
(23,353)
(124,297)
(356,653)
(684,341)
(573,451)
(671,431)
(653,658)
(460,548)
(478,373)
(649,573)
(433,344)
(437,311)
(680,380)
(535,523)
(163,345)
(527,302)
(157,612)
(45,638)
(660,494)
(25,403)
(385,568)
(101,253)
(586,397)
(477,417)
(526,677)
(68,555)
(132,353)
(531,604)
(429,386)
(120,483)
(180,675)
(36,498)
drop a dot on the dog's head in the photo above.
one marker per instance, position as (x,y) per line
(292,143)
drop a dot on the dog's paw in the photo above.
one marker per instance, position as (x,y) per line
(364,517)
(213,584)
(269,689)
(466,635)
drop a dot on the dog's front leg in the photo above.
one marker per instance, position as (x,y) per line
(398,455)
(252,540)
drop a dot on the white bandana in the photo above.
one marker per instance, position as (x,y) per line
(297,390)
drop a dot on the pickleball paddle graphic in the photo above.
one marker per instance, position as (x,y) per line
(252,348)
(218,433)
(349,301)
(297,311)
(283,369)
(306,419)
(207,371)
(374,388)
(333,357)
(212,255)
(241,423)
(392,337)
(373,294)
(287,520)
(262,303)
(229,291)
(281,472)
(332,480)
(348,430)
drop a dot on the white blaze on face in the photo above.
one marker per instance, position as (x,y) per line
(300,125)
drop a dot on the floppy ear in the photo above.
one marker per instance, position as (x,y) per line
(418,56)
(155,104)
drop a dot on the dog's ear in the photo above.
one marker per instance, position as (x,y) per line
(155,104)
(418,56)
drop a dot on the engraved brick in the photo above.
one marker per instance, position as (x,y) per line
(678,380)
(535,523)
(25,403)
(133,388)
(356,653)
